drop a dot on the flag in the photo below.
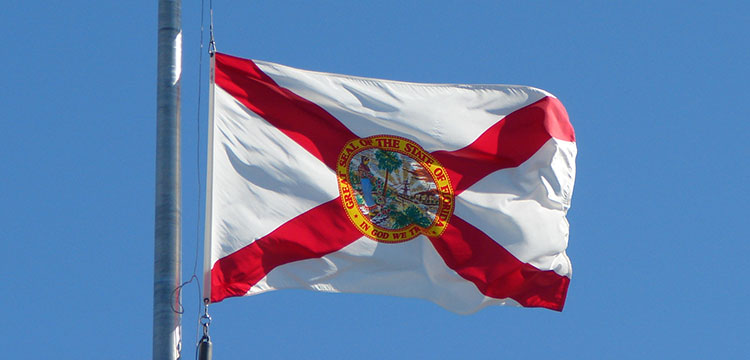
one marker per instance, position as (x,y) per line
(457,194)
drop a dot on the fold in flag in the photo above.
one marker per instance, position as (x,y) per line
(452,193)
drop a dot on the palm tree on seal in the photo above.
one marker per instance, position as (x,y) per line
(388,161)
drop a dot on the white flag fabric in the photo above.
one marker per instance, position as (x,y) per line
(453,193)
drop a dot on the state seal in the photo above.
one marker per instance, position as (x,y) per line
(393,190)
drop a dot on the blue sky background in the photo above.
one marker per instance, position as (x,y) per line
(656,91)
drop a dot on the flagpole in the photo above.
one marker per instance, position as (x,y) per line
(168,220)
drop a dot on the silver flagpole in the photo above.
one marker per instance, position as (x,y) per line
(168,220)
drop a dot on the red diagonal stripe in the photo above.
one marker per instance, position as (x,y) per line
(508,143)
(306,123)
(320,231)
(495,271)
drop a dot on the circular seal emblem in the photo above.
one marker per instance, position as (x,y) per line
(393,190)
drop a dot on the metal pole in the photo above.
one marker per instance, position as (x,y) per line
(168,220)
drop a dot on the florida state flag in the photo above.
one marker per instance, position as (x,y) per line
(452,193)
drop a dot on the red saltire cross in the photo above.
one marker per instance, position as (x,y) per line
(326,229)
